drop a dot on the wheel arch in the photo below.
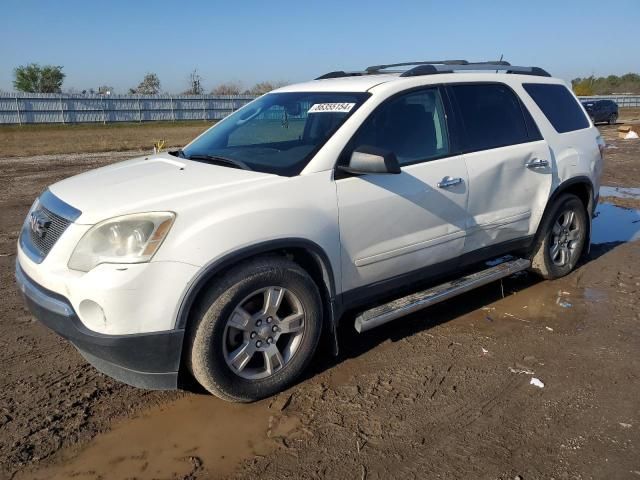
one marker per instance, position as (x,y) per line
(306,253)
(582,187)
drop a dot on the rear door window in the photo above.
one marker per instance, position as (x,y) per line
(492,116)
(559,106)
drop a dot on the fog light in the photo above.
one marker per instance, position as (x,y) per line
(91,313)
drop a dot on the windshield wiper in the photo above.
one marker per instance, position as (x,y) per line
(177,153)
(221,160)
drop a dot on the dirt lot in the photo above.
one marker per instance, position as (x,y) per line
(444,393)
(26,140)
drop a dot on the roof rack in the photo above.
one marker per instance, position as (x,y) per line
(377,68)
(339,74)
(440,66)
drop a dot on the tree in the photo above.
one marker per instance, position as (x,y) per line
(627,83)
(33,78)
(582,86)
(264,87)
(228,88)
(150,85)
(195,84)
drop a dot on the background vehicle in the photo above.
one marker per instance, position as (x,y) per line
(379,192)
(602,111)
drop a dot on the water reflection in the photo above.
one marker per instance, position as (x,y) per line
(620,192)
(615,224)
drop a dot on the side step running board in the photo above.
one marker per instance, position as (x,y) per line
(381,314)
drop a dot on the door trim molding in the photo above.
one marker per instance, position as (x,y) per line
(500,222)
(414,247)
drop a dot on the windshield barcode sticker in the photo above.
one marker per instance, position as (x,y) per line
(331,107)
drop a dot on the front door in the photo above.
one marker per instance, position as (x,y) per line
(393,224)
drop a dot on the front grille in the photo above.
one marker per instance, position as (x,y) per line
(56,228)
(44,226)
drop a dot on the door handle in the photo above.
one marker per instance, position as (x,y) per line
(537,163)
(448,181)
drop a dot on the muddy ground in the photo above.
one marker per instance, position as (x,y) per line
(445,393)
(40,139)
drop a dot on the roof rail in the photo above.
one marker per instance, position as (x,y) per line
(441,66)
(377,68)
(478,66)
(339,74)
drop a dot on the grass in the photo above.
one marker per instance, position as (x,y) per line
(26,140)
(629,114)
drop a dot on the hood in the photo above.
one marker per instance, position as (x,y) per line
(159,182)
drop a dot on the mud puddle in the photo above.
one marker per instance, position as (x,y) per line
(614,223)
(620,192)
(197,434)
(618,217)
(550,307)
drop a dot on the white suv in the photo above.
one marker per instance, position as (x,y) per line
(227,260)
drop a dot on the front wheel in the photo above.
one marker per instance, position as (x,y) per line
(613,119)
(256,330)
(563,235)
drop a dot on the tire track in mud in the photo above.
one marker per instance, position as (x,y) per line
(35,353)
(50,398)
(404,401)
(465,418)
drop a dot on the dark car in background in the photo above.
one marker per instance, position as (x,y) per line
(602,111)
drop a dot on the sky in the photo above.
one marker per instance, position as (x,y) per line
(116,42)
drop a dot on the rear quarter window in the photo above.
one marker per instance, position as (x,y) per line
(558,105)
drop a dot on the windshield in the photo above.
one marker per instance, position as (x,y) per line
(277,133)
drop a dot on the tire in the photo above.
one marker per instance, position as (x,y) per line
(613,119)
(552,257)
(236,326)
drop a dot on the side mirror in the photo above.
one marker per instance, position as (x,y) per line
(366,159)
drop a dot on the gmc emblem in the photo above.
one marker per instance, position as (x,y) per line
(39,223)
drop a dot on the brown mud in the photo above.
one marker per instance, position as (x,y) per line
(444,393)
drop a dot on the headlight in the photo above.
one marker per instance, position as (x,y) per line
(27,220)
(128,239)
(34,207)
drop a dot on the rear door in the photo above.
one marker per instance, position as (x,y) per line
(394,224)
(508,161)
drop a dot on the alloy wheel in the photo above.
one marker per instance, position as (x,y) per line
(263,332)
(566,236)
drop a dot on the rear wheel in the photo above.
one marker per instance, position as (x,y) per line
(256,330)
(563,234)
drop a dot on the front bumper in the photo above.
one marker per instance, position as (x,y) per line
(146,360)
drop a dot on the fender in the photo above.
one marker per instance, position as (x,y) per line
(331,303)
(574,181)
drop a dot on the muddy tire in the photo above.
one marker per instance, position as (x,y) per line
(561,239)
(255,330)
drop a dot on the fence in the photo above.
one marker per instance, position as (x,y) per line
(19,108)
(25,108)
(623,101)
